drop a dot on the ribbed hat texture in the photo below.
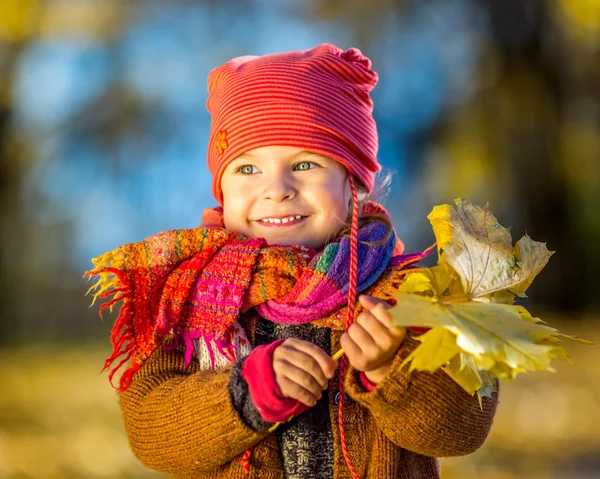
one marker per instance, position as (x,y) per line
(317,99)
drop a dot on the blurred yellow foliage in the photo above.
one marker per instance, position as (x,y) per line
(466,164)
(91,19)
(18,19)
(84,19)
(580,155)
(59,417)
(582,16)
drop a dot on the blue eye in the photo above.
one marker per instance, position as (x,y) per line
(304,165)
(247,169)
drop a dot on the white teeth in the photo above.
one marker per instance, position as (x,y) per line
(282,220)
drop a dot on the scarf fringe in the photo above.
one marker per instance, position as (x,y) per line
(112,281)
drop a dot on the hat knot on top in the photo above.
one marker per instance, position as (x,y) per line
(354,55)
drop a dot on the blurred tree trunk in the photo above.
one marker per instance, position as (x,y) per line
(11,167)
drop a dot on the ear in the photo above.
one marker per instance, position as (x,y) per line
(348,193)
(361,192)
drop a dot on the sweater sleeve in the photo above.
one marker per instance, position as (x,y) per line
(183,420)
(429,414)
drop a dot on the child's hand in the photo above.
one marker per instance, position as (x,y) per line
(302,370)
(371,343)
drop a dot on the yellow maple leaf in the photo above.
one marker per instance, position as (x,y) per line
(480,250)
(438,347)
(476,332)
(489,332)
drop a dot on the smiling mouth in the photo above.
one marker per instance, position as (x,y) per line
(285,221)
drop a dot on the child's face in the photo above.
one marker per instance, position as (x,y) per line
(280,182)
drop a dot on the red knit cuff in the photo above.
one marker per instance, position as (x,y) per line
(265,394)
(365,383)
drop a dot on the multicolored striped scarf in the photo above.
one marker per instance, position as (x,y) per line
(195,283)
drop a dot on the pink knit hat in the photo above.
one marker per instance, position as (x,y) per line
(316,99)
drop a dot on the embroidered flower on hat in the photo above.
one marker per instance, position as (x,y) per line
(221,142)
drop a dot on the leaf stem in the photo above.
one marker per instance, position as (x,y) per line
(338,355)
(456,299)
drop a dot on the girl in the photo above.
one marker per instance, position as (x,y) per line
(231,327)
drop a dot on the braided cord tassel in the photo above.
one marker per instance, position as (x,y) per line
(350,319)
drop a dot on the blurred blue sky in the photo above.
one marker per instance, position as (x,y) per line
(425,64)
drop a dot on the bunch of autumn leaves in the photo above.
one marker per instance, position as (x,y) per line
(467,299)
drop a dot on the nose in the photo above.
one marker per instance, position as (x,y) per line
(279,187)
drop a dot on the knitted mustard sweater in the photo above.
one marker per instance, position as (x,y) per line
(183,421)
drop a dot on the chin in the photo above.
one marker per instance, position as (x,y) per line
(282,242)
(288,242)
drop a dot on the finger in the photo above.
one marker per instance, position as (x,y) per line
(369,302)
(293,390)
(399,332)
(326,364)
(362,338)
(380,311)
(288,354)
(299,376)
(385,319)
(351,349)
(381,335)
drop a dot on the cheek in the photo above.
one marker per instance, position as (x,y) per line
(234,209)
(230,189)
(335,206)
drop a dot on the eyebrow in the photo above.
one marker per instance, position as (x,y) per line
(250,156)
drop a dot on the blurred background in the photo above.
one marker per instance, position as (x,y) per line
(103,135)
